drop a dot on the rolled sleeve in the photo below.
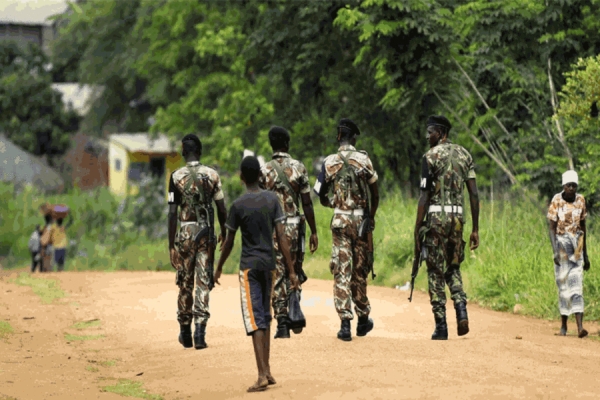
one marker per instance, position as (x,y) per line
(553,211)
(218,189)
(232,222)
(371,173)
(303,181)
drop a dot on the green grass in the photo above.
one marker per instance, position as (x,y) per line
(73,338)
(129,388)
(86,324)
(91,368)
(5,329)
(47,289)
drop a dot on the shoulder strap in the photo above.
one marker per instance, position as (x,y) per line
(347,165)
(281,174)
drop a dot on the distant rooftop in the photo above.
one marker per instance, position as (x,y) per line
(30,12)
(77,96)
(141,142)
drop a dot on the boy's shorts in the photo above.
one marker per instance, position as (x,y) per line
(255,294)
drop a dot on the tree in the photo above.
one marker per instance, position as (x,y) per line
(32,114)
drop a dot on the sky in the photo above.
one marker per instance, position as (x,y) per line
(30,11)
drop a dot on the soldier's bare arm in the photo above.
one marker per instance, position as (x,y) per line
(222,215)
(284,245)
(309,212)
(225,252)
(424,199)
(474,201)
(172,229)
(374,189)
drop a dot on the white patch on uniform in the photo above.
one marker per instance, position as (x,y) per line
(423,183)
(317,187)
(171,197)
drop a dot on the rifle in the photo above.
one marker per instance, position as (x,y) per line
(415,271)
(365,231)
(301,250)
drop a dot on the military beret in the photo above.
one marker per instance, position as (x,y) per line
(348,124)
(439,120)
(192,138)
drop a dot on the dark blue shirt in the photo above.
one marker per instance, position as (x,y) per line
(256,214)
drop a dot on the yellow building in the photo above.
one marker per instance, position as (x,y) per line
(131,156)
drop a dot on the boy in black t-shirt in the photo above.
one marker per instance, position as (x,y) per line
(257,213)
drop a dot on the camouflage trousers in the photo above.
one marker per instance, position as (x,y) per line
(349,267)
(443,241)
(281,280)
(190,267)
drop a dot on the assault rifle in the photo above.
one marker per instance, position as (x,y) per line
(365,231)
(415,271)
(301,250)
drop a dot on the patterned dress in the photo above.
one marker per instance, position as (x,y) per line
(569,237)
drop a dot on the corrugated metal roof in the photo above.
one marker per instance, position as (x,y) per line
(30,12)
(141,142)
(78,96)
(19,166)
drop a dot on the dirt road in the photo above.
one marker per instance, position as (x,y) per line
(135,312)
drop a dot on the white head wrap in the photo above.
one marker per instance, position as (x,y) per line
(570,176)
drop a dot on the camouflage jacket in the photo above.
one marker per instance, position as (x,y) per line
(567,215)
(341,196)
(182,188)
(445,169)
(297,177)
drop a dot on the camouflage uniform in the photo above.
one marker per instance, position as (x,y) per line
(446,167)
(349,252)
(181,188)
(290,204)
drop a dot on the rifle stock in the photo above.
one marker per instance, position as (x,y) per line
(298,267)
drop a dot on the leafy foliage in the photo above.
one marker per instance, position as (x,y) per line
(32,114)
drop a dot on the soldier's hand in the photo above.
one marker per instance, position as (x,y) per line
(174,256)
(294,282)
(217,276)
(314,242)
(474,240)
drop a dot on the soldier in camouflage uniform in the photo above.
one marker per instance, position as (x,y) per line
(446,167)
(342,185)
(193,188)
(289,189)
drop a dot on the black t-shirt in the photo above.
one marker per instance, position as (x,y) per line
(256,214)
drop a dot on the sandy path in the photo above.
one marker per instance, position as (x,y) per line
(396,360)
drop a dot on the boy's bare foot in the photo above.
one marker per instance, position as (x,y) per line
(260,385)
(271,380)
(583,333)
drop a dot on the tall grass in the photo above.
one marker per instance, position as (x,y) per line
(513,264)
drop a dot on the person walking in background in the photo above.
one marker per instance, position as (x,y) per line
(566,215)
(59,241)
(344,184)
(288,179)
(446,169)
(34,248)
(257,213)
(46,243)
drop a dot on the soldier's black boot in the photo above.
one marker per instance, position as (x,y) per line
(185,335)
(441,329)
(364,326)
(199,342)
(344,333)
(283,328)
(462,319)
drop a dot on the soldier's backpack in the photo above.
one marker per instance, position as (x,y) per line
(347,182)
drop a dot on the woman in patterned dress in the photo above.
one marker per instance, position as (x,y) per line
(566,215)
